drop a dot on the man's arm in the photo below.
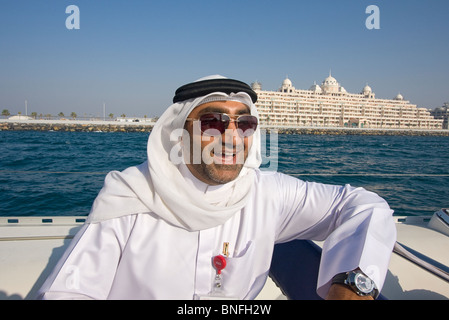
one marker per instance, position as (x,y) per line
(357,226)
(88,266)
(342,292)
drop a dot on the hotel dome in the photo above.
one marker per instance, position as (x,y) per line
(367,89)
(399,97)
(315,88)
(368,92)
(330,81)
(287,83)
(287,86)
(256,85)
(330,84)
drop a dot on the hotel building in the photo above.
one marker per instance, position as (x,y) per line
(442,113)
(330,105)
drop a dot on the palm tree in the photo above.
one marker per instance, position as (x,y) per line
(73,115)
(5,112)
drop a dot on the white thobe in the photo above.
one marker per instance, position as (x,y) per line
(141,256)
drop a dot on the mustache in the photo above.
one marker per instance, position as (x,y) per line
(226,146)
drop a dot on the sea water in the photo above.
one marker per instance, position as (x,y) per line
(60,173)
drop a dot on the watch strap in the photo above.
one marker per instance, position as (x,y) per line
(340,278)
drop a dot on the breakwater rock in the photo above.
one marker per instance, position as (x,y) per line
(357,131)
(75,127)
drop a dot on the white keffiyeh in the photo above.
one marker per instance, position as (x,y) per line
(159,186)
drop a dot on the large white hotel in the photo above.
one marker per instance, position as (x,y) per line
(330,105)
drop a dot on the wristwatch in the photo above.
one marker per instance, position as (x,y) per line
(359,282)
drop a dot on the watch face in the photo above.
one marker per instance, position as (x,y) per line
(363,283)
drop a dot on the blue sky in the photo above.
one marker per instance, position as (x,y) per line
(132,55)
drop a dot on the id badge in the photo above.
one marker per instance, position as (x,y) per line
(219,263)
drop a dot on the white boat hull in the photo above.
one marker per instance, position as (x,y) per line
(31,246)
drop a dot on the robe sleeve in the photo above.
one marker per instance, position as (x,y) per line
(87,268)
(357,226)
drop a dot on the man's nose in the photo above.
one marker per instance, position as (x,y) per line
(232,135)
(232,124)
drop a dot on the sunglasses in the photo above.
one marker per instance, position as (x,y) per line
(246,124)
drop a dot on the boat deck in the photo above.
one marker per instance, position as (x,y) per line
(30,247)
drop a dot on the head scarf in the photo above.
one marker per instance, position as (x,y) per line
(158,186)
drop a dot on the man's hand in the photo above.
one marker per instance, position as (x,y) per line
(343,292)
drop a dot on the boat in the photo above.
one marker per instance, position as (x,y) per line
(30,247)
(418,270)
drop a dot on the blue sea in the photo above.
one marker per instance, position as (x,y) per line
(60,173)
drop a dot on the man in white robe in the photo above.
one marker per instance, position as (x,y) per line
(155,228)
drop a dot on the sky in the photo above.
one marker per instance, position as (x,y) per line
(130,56)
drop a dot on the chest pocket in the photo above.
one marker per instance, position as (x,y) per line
(238,275)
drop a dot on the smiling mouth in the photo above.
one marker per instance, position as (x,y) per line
(224,157)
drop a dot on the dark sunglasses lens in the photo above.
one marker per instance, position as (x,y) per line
(248,124)
(220,121)
(215,121)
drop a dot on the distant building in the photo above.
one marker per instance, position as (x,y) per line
(135,119)
(20,117)
(442,113)
(330,105)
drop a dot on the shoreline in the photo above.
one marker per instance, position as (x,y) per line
(360,131)
(115,126)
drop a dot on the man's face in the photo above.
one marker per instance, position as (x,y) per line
(222,156)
